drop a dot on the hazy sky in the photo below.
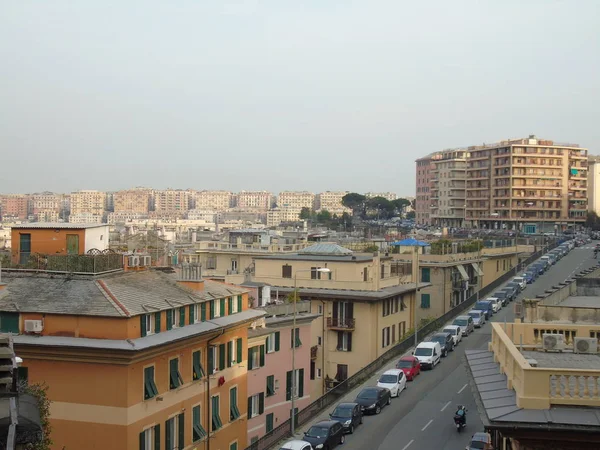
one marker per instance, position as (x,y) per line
(316,95)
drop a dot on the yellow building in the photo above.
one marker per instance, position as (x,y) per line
(296,200)
(88,202)
(132,200)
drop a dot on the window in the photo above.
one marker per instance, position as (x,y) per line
(171,319)
(294,384)
(150,438)
(295,338)
(286,271)
(221,356)
(175,379)
(318,373)
(211,262)
(234,412)
(270,385)
(147,324)
(425,301)
(157,322)
(344,341)
(256,357)
(497,265)
(213,359)
(215,309)
(216,415)
(233,306)
(197,369)
(313,367)
(192,313)
(182,316)
(234,352)
(233,446)
(391,306)
(385,337)
(256,405)
(273,342)
(319,340)
(150,390)
(269,423)
(175,432)
(198,431)
(394,334)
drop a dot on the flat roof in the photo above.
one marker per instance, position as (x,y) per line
(59,225)
(356,295)
(581,301)
(563,360)
(297,257)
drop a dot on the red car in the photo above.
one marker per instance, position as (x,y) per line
(410,366)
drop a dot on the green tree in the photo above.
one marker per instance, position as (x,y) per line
(380,207)
(40,393)
(410,215)
(356,202)
(400,204)
(306,213)
(593,221)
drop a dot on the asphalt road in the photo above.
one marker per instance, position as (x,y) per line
(422,417)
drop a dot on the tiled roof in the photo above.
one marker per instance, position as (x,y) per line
(58,225)
(120,295)
(326,248)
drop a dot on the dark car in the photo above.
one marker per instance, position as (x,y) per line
(530,276)
(514,288)
(486,307)
(503,296)
(326,435)
(349,415)
(372,399)
(480,441)
(446,342)
(539,267)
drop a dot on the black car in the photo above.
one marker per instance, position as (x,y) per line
(501,296)
(539,267)
(486,307)
(446,342)
(514,288)
(349,415)
(326,435)
(372,399)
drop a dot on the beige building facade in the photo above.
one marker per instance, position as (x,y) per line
(132,200)
(212,200)
(448,183)
(296,200)
(331,201)
(89,204)
(593,184)
(387,195)
(171,201)
(255,200)
(276,216)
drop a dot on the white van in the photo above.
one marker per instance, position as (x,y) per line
(394,380)
(428,354)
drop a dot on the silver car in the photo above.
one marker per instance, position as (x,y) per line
(466,324)
(478,317)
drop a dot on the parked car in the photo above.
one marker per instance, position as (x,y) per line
(394,380)
(515,289)
(373,399)
(349,415)
(486,307)
(529,276)
(521,281)
(296,445)
(465,323)
(325,435)
(502,296)
(428,354)
(496,303)
(540,268)
(445,340)
(410,366)
(480,441)
(454,331)
(478,317)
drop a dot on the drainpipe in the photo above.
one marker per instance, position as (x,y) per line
(323,351)
(208,403)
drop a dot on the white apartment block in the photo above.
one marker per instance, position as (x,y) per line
(44,202)
(88,202)
(296,200)
(132,200)
(276,216)
(125,217)
(46,215)
(387,195)
(212,200)
(85,217)
(171,200)
(254,200)
(202,215)
(332,202)
(593,184)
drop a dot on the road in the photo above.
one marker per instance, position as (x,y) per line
(421,418)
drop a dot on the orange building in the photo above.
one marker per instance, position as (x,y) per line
(50,238)
(136,360)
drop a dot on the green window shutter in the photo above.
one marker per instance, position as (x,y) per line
(230,305)
(195,423)
(292,338)
(192,318)
(249,407)
(157,322)
(203,312)
(221,356)
(425,301)
(223,310)
(149,385)
(216,415)
(210,361)
(157,437)
(270,385)
(297,337)
(269,422)
(262,356)
(143,324)
(229,353)
(212,309)
(169,319)
(261,403)
(181,443)
(288,385)
(182,317)
(250,351)
(301,383)
(235,412)
(425,274)
(142,441)
(233,446)
(239,349)
(277,341)
(168,437)
(197,366)
(239,305)
(174,376)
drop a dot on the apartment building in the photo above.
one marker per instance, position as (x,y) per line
(277,216)
(424,176)
(132,201)
(447,188)
(87,205)
(213,200)
(296,200)
(14,206)
(135,360)
(270,372)
(387,195)
(332,202)
(255,200)
(46,215)
(43,202)
(114,218)
(171,201)
(593,184)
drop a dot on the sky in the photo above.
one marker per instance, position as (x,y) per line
(283,95)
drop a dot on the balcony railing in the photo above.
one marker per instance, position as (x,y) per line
(341,323)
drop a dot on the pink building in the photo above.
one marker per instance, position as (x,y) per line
(270,371)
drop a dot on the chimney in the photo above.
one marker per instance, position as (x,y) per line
(191,276)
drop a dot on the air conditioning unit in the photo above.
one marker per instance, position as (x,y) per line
(34,326)
(553,342)
(146,261)
(585,345)
(134,261)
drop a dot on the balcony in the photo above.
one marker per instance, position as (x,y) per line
(313,352)
(341,323)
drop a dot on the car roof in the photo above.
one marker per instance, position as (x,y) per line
(489,299)
(325,423)
(393,372)
(454,327)
(296,444)
(440,333)
(409,358)
(463,317)
(347,405)
(371,388)
(481,437)
(476,311)
(428,344)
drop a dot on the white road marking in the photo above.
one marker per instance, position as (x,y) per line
(463,388)
(445,406)
(408,445)
(425,427)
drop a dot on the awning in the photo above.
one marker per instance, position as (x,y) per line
(463,272)
(478,271)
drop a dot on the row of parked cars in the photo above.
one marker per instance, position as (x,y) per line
(346,416)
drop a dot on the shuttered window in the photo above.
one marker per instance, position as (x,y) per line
(198,431)
(150,390)
(198,370)
(175,379)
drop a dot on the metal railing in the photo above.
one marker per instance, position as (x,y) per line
(341,322)
(85,264)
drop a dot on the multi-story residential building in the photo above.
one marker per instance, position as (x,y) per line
(125,217)
(210,216)
(593,184)
(387,195)
(447,188)
(171,201)
(46,215)
(332,202)
(110,201)
(424,177)
(132,200)
(370,287)
(86,217)
(135,360)
(85,204)
(270,370)
(296,200)
(213,200)
(255,200)
(43,202)
(14,206)
(276,216)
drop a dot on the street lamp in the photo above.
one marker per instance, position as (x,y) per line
(320,270)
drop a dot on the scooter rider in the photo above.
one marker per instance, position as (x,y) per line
(461,415)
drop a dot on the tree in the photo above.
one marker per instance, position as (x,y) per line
(356,202)
(380,207)
(305,213)
(410,215)
(593,221)
(324,217)
(40,393)
(400,204)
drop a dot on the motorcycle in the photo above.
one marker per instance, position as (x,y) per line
(460,420)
